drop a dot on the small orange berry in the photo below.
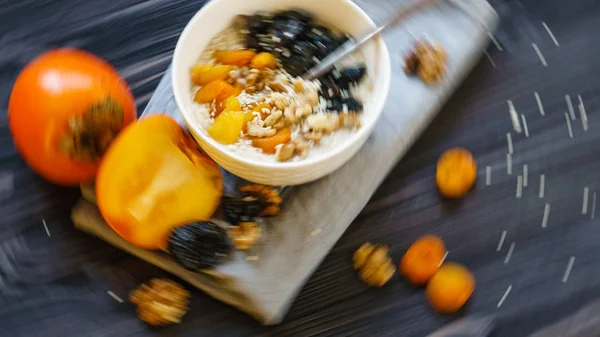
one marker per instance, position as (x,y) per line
(456,173)
(422,259)
(450,288)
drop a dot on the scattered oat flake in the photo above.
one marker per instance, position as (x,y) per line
(115,296)
(490,58)
(525,125)
(509,141)
(508,163)
(550,33)
(252,258)
(568,270)
(501,242)
(582,113)
(509,254)
(488,176)
(514,117)
(539,103)
(504,296)
(546,215)
(542,185)
(315,232)
(443,259)
(569,125)
(519,186)
(46,228)
(495,41)
(539,54)
(570,107)
(584,206)
(525,175)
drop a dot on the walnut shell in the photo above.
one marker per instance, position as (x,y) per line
(162,302)
(373,264)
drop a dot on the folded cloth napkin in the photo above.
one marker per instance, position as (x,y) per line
(288,254)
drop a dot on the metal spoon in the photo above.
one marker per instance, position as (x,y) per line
(351,45)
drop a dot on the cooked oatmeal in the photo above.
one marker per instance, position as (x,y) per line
(249,96)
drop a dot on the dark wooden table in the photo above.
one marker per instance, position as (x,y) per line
(57,285)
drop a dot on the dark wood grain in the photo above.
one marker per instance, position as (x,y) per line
(57,286)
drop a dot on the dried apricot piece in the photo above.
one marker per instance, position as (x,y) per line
(450,288)
(202,75)
(456,172)
(227,127)
(264,60)
(423,259)
(217,90)
(268,144)
(231,103)
(241,57)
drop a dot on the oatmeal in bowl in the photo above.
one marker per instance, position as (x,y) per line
(247,104)
(248,88)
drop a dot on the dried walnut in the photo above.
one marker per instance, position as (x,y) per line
(161,302)
(373,264)
(428,61)
(286,152)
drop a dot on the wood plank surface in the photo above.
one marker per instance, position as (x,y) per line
(57,285)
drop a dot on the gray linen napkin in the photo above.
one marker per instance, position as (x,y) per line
(265,287)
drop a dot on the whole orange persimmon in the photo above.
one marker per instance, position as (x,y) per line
(65,108)
(423,259)
(154,178)
(456,173)
(450,288)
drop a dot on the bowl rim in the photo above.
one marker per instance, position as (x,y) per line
(384,61)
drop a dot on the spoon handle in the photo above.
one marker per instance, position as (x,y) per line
(351,45)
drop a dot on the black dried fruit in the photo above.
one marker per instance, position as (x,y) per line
(352,104)
(242,210)
(304,49)
(199,245)
(318,34)
(327,48)
(350,75)
(297,65)
(296,14)
(335,105)
(329,89)
(259,23)
(286,30)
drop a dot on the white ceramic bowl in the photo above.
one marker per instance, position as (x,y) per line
(215,17)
